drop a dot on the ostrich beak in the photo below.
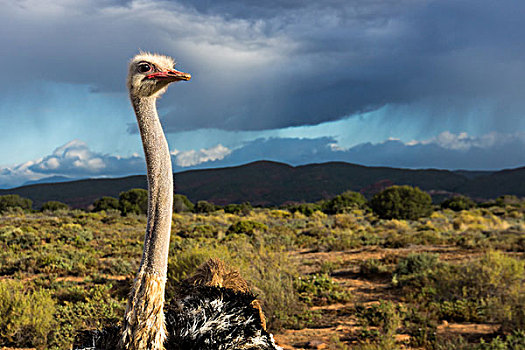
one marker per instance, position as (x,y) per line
(169,75)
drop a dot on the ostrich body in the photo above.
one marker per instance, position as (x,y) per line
(214,309)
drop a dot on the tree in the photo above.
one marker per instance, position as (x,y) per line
(401,202)
(344,202)
(458,203)
(14,201)
(54,206)
(244,208)
(105,203)
(181,203)
(204,207)
(133,201)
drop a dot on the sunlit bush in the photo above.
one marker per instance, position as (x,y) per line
(401,202)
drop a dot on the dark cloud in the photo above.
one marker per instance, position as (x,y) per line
(273,64)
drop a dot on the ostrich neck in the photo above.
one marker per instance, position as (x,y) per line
(143,327)
(160,187)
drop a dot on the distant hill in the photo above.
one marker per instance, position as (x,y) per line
(271,183)
(50,179)
(511,181)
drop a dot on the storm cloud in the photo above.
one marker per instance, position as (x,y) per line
(274,64)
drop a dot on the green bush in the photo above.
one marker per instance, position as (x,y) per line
(372,268)
(54,206)
(458,203)
(385,315)
(14,201)
(204,207)
(181,204)
(507,199)
(493,283)
(304,208)
(247,227)
(320,289)
(344,202)
(105,203)
(416,269)
(401,202)
(239,209)
(96,309)
(26,316)
(134,201)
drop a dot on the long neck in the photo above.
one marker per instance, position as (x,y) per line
(160,187)
(143,326)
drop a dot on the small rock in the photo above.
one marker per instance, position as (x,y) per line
(317,344)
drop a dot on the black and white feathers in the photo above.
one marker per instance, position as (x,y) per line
(202,318)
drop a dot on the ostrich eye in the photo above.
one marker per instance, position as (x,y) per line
(144,67)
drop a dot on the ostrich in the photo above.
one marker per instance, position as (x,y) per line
(214,309)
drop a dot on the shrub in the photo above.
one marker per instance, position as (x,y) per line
(14,201)
(507,199)
(196,231)
(105,203)
(416,269)
(417,263)
(181,203)
(458,203)
(134,201)
(204,207)
(344,202)
(372,267)
(247,227)
(95,310)
(26,316)
(239,209)
(304,208)
(320,289)
(385,315)
(271,272)
(401,202)
(54,206)
(494,283)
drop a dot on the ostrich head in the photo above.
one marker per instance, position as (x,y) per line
(150,74)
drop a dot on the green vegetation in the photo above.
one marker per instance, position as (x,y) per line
(54,206)
(239,209)
(134,201)
(106,203)
(12,201)
(27,316)
(204,207)
(69,270)
(181,204)
(344,202)
(401,202)
(458,203)
(247,227)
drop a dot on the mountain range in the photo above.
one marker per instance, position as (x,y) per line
(272,183)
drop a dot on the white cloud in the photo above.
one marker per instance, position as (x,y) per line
(463,142)
(194,157)
(76,160)
(73,159)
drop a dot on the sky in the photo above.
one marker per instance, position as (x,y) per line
(402,83)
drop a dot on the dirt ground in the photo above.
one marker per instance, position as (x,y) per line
(338,323)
